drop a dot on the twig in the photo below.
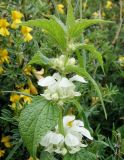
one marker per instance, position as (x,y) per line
(120,24)
(25,94)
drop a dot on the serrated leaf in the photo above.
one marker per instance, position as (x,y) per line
(81,25)
(70,15)
(52,28)
(35,121)
(82,155)
(82,72)
(39,59)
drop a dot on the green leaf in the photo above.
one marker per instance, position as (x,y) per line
(121,130)
(82,155)
(82,72)
(70,15)
(97,55)
(46,156)
(40,59)
(52,28)
(35,121)
(81,25)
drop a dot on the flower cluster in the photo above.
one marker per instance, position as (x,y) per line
(60,88)
(5,140)
(62,61)
(19,100)
(4,27)
(16,20)
(60,8)
(72,140)
(3,58)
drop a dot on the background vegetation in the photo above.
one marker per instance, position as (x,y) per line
(17,75)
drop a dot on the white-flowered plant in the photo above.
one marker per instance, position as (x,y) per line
(43,121)
(72,140)
(60,88)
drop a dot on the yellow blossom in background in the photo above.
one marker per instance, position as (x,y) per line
(2,152)
(33,89)
(27,70)
(26,99)
(6,141)
(4,55)
(16,105)
(108,5)
(95,14)
(98,15)
(26,33)
(16,17)
(85,5)
(60,8)
(3,27)
(1,70)
(19,86)
(103,14)
(121,61)
(14,98)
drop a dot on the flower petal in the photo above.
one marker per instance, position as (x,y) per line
(56,138)
(67,119)
(78,78)
(57,76)
(71,140)
(65,83)
(44,82)
(78,123)
(86,133)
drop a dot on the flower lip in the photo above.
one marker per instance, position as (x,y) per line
(44,82)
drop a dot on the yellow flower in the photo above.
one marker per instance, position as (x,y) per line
(108,5)
(121,61)
(16,105)
(60,8)
(16,17)
(85,5)
(26,33)
(1,70)
(95,14)
(14,98)
(6,141)
(27,70)
(3,27)
(33,89)
(26,99)
(3,23)
(2,152)
(103,14)
(4,55)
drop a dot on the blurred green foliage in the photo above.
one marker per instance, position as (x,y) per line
(108,134)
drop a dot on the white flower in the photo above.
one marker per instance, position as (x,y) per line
(60,87)
(71,142)
(52,139)
(59,63)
